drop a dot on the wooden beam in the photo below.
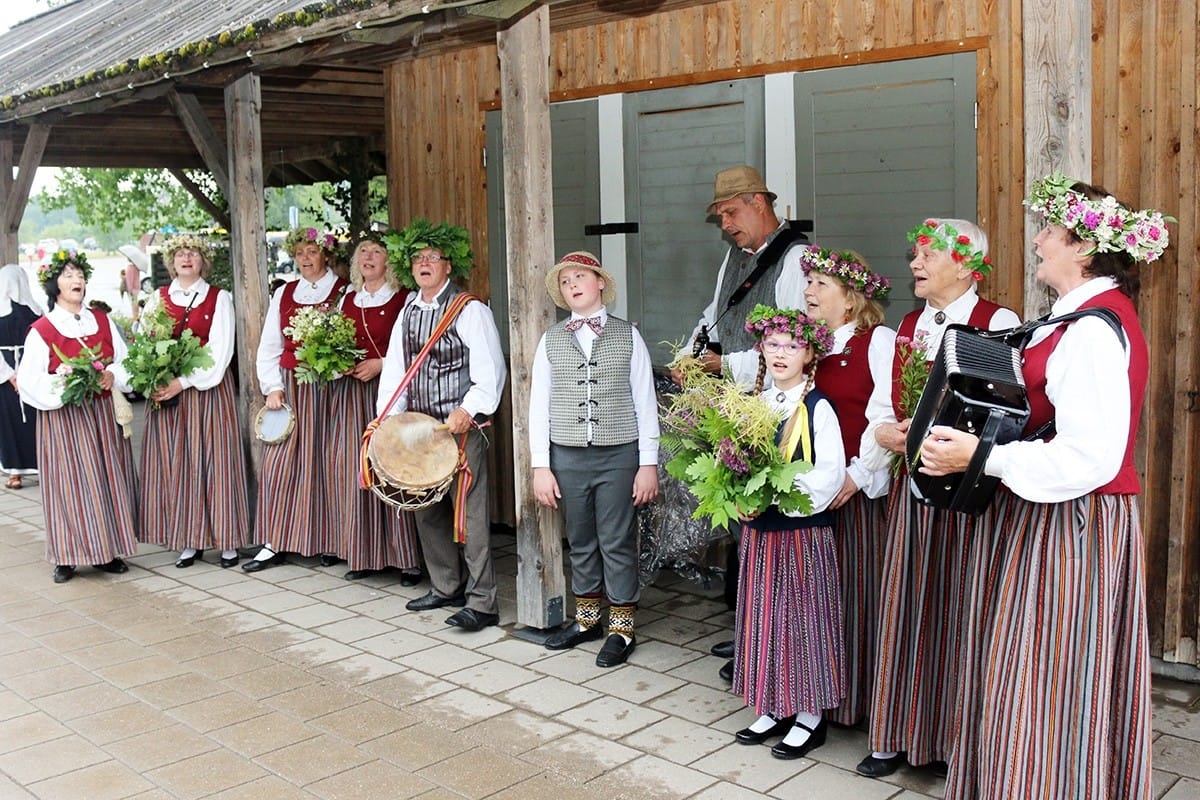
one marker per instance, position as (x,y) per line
(219,215)
(248,244)
(389,35)
(498,9)
(9,239)
(31,158)
(1057,47)
(211,148)
(524,51)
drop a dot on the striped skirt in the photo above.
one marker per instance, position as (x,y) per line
(788,649)
(1059,703)
(374,534)
(194,473)
(89,485)
(295,511)
(929,563)
(860,531)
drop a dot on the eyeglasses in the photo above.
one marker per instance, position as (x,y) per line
(430,257)
(791,348)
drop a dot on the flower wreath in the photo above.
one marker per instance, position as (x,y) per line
(185,241)
(59,261)
(764,321)
(1113,227)
(299,236)
(847,267)
(945,237)
(452,241)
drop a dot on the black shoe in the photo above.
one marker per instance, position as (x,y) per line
(431,600)
(329,560)
(183,563)
(615,650)
(410,577)
(359,574)
(874,767)
(116,566)
(257,565)
(938,768)
(63,573)
(780,728)
(568,637)
(722,650)
(471,620)
(226,563)
(816,738)
(726,672)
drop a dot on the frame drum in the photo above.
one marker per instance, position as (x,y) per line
(414,464)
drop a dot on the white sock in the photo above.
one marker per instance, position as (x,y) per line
(266,553)
(883,755)
(229,554)
(798,735)
(763,724)
(188,553)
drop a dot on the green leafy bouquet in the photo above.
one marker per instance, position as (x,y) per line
(722,447)
(156,356)
(327,340)
(914,374)
(81,375)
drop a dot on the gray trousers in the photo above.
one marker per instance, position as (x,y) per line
(597,501)
(467,567)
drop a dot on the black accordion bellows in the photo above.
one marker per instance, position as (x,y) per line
(975,385)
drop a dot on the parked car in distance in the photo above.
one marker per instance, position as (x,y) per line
(69,245)
(90,243)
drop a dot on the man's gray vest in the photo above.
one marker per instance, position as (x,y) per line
(731,328)
(445,376)
(594,389)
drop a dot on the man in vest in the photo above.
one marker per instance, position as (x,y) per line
(763,266)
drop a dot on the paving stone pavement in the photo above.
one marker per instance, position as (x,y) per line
(294,683)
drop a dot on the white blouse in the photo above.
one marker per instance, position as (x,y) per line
(42,389)
(823,482)
(270,346)
(220,336)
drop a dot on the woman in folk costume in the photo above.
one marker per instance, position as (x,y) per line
(789,661)
(931,553)
(1061,706)
(374,535)
(88,477)
(193,471)
(844,293)
(18,422)
(296,510)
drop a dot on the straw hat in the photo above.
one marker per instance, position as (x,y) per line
(580,258)
(738,180)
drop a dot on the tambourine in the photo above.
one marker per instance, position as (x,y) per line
(274,425)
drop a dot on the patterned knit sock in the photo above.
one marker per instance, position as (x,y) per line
(620,620)
(587,611)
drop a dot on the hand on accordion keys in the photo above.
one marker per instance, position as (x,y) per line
(947,450)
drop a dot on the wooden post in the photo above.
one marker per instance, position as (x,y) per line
(9,240)
(248,242)
(524,50)
(1057,46)
(15,194)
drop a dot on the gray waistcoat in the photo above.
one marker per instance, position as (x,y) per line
(731,331)
(444,378)
(592,389)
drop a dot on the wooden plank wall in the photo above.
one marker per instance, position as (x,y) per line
(1146,134)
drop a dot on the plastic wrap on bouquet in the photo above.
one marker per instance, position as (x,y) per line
(668,535)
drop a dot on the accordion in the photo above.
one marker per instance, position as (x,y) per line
(976,386)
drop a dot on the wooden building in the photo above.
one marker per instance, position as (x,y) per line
(865,117)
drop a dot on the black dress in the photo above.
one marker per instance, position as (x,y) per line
(18,422)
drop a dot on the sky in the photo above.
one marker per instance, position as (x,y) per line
(12,12)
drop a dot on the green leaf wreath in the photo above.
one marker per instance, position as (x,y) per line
(452,241)
(156,356)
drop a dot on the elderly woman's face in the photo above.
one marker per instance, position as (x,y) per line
(310,260)
(187,263)
(72,284)
(372,261)
(828,299)
(938,278)
(1061,265)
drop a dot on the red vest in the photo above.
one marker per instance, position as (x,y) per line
(72,347)
(845,378)
(199,319)
(374,325)
(288,308)
(981,317)
(1041,410)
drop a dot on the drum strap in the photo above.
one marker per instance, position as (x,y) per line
(366,477)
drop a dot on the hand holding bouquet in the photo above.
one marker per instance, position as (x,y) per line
(156,356)
(328,343)
(81,375)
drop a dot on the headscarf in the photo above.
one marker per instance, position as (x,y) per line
(14,288)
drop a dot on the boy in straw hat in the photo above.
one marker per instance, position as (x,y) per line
(593,440)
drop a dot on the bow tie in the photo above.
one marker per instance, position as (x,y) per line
(592,322)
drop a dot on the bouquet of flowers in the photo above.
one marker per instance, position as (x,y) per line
(327,340)
(721,444)
(156,356)
(80,375)
(914,374)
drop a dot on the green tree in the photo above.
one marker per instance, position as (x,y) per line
(137,199)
